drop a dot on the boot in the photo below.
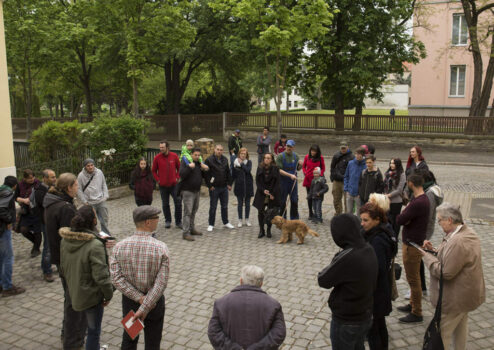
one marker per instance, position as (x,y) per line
(268,233)
(188,237)
(261,227)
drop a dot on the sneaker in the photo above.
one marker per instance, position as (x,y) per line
(48,277)
(103,347)
(179,225)
(239,224)
(411,318)
(248,223)
(210,228)
(405,308)
(407,296)
(12,291)
(168,224)
(228,225)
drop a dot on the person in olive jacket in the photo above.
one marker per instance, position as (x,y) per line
(84,263)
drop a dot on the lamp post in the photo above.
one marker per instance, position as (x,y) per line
(7,160)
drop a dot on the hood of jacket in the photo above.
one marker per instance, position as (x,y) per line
(55,197)
(74,240)
(6,195)
(438,193)
(345,229)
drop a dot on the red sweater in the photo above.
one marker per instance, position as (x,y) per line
(165,169)
(308,168)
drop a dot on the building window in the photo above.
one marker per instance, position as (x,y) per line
(296,92)
(457,81)
(289,103)
(460,30)
(295,104)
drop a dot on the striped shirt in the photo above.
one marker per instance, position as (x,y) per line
(139,266)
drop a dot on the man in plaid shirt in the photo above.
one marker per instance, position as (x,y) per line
(139,268)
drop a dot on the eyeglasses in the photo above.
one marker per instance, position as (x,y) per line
(439,220)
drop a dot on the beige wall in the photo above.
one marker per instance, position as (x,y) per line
(7,162)
(431,76)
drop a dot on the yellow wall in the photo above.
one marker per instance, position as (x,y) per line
(7,162)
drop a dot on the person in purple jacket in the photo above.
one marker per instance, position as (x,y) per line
(414,219)
(247,318)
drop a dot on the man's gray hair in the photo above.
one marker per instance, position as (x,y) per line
(448,210)
(252,275)
(46,173)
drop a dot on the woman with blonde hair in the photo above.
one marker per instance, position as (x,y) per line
(381,200)
(244,184)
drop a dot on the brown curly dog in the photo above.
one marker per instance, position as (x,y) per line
(288,227)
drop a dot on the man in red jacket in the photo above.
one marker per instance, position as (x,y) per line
(165,170)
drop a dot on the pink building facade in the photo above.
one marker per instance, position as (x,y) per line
(442,83)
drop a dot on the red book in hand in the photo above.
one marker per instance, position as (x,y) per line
(132,326)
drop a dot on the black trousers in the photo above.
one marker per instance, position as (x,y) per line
(378,334)
(394,210)
(74,323)
(153,325)
(309,203)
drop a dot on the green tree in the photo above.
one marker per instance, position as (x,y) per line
(26,27)
(366,41)
(277,29)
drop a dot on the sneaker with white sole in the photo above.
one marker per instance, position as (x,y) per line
(228,225)
(248,223)
(239,224)
(210,228)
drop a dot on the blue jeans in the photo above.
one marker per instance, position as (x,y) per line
(102,214)
(166,192)
(220,193)
(241,202)
(317,208)
(6,260)
(349,336)
(45,256)
(94,317)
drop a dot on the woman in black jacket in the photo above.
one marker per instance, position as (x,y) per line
(268,193)
(143,183)
(244,184)
(381,237)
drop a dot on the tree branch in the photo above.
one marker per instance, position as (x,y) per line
(484,8)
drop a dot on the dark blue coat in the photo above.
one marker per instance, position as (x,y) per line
(242,177)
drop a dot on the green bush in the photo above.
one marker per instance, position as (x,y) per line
(54,140)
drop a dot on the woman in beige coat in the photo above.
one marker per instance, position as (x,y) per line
(463,279)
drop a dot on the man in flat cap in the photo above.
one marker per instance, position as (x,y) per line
(289,163)
(139,267)
(93,191)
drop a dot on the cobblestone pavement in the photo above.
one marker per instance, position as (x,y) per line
(208,268)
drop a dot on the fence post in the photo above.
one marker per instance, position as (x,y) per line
(224,123)
(423,125)
(179,119)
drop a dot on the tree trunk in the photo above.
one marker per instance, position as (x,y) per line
(339,117)
(29,102)
(175,85)
(358,117)
(61,106)
(266,105)
(288,100)
(50,107)
(319,95)
(135,101)
(56,110)
(86,83)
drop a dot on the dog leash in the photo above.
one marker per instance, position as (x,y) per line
(288,197)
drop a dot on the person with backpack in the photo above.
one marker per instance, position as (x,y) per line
(371,180)
(36,203)
(379,234)
(94,192)
(29,223)
(7,220)
(143,183)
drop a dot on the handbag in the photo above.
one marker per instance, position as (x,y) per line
(392,278)
(432,337)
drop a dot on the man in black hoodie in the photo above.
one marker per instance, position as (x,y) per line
(353,275)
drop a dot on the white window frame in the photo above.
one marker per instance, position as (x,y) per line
(462,20)
(457,66)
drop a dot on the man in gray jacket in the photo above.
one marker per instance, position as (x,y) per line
(94,192)
(247,318)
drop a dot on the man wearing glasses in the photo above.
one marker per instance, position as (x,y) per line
(139,268)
